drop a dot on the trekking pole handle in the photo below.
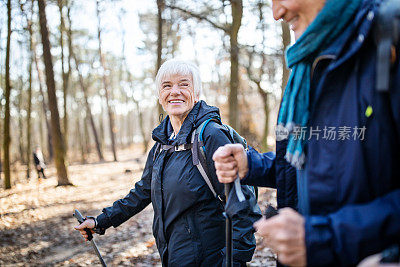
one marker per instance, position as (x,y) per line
(80,219)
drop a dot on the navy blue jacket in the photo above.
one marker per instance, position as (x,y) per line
(349,190)
(188,225)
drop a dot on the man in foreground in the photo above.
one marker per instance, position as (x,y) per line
(336,167)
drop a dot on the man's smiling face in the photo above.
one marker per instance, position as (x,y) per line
(298,13)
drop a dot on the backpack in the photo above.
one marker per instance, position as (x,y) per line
(199,154)
(198,149)
(387,37)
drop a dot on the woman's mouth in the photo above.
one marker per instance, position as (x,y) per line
(175,102)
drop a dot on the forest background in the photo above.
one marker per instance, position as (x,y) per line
(77,80)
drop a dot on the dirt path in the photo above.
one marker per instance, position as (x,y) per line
(36,223)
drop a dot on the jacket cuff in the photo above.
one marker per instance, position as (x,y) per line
(103,222)
(318,237)
(243,181)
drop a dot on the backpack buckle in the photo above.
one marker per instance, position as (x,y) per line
(179,148)
(182,147)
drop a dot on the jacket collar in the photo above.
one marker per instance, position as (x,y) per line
(351,40)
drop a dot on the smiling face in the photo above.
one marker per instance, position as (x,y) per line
(177,95)
(297,13)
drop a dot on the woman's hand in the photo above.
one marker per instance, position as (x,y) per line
(89,223)
(229,160)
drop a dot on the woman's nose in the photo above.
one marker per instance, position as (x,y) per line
(175,89)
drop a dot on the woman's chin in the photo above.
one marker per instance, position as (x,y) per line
(176,113)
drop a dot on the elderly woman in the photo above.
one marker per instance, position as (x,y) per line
(188,225)
(339,167)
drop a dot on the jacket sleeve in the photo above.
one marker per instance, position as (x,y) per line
(353,232)
(261,169)
(243,234)
(356,231)
(137,199)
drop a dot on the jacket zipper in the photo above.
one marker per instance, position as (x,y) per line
(301,176)
(314,66)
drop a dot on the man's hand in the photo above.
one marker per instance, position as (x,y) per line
(89,223)
(229,160)
(285,235)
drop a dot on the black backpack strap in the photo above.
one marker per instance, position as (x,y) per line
(170,148)
(387,40)
(199,157)
(387,36)
(157,151)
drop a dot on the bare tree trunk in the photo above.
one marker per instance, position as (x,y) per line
(46,119)
(285,44)
(257,80)
(86,136)
(19,107)
(65,75)
(41,130)
(80,140)
(124,119)
(28,119)
(237,12)
(29,111)
(2,67)
(87,107)
(139,113)
(20,123)
(6,137)
(232,31)
(84,91)
(44,105)
(58,143)
(264,143)
(130,128)
(106,86)
(101,124)
(69,34)
(160,9)
(142,131)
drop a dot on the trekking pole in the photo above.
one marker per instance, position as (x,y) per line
(80,219)
(228,231)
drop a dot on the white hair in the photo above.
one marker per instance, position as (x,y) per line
(182,67)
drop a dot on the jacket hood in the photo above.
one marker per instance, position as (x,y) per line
(200,112)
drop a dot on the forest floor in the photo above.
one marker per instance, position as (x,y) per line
(36,223)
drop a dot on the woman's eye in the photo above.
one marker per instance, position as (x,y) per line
(184,84)
(166,86)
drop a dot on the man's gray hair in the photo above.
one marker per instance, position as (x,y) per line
(182,67)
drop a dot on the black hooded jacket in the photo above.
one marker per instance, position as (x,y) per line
(188,225)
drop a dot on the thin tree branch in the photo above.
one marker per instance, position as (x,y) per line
(200,17)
